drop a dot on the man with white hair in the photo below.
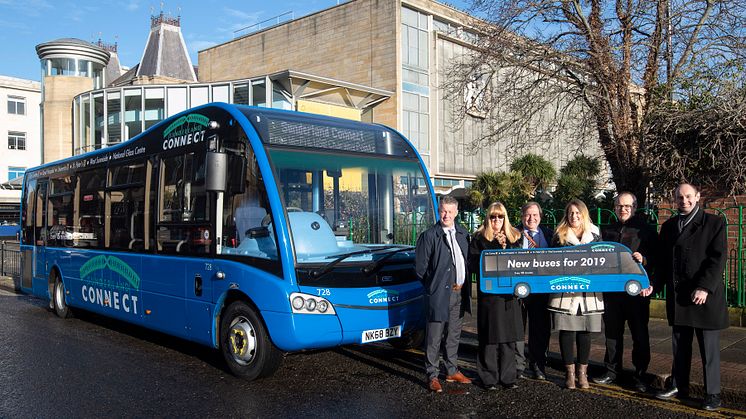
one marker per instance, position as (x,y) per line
(631,230)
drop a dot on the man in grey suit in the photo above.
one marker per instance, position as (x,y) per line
(441,254)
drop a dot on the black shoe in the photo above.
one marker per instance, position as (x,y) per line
(667,394)
(604,379)
(711,402)
(490,387)
(539,374)
(510,386)
(638,384)
(521,375)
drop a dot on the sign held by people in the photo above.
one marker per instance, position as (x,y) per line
(595,267)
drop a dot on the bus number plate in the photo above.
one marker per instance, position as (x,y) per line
(381,334)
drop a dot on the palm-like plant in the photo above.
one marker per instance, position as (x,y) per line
(509,188)
(537,171)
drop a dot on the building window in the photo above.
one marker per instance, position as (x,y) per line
(416,121)
(16,140)
(16,105)
(14,172)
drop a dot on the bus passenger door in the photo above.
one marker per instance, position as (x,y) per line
(40,232)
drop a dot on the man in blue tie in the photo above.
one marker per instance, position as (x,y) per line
(440,259)
(535,305)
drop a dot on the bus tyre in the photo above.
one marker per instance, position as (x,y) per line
(522,290)
(411,340)
(58,299)
(245,343)
(633,287)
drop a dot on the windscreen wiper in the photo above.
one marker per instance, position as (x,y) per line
(315,274)
(376,265)
(329,266)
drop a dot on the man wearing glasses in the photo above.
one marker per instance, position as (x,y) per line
(534,235)
(632,231)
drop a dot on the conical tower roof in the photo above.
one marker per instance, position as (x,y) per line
(165,52)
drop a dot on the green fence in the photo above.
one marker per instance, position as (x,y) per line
(735,271)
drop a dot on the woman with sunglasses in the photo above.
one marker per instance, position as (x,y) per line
(576,314)
(499,321)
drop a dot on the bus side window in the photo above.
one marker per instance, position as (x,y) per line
(125,199)
(183,225)
(61,225)
(90,188)
(247,223)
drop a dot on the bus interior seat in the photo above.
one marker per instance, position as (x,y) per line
(136,229)
(248,217)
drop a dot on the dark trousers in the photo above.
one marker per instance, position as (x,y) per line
(447,335)
(496,363)
(635,311)
(581,339)
(709,349)
(539,328)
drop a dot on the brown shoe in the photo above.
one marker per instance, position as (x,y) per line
(435,386)
(458,377)
(570,376)
(583,376)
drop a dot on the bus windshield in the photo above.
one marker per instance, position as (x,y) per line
(339,203)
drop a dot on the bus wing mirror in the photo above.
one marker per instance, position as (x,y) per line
(217,171)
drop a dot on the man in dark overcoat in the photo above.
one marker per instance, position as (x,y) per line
(534,307)
(441,264)
(693,257)
(633,231)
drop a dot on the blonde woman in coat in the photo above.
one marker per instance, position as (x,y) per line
(576,314)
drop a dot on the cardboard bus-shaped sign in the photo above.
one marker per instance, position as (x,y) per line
(595,267)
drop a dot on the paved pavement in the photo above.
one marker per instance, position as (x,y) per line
(732,356)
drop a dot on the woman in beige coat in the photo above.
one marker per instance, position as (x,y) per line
(576,314)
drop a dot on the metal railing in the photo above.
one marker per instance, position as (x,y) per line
(10,259)
(735,270)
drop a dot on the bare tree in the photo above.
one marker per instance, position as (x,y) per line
(615,60)
(702,140)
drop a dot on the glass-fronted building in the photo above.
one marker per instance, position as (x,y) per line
(103,117)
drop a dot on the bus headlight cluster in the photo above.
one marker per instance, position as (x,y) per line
(310,304)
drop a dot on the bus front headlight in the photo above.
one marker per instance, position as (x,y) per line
(302,303)
(298,303)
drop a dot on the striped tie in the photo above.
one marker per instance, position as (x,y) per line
(531,242)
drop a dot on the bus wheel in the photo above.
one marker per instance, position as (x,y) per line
(412,340)
(58,299)
(245,344)
(632,287)
(522,290)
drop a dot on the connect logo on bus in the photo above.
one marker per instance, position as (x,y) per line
(114,264)
(383,296)
(569,284)
(187,130)
(602,248)
(112,293)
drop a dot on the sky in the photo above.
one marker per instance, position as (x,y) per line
(27,23)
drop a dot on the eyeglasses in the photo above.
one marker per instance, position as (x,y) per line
(494,217)
(625,206)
